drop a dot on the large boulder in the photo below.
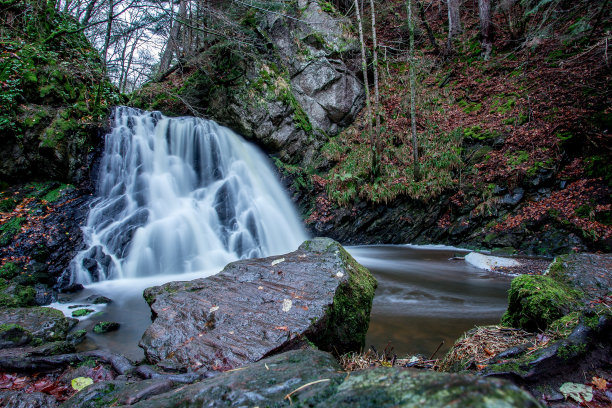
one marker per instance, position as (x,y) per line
(311,378)
(254,308)
(289,93)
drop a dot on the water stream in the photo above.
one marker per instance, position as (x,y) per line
(179,198)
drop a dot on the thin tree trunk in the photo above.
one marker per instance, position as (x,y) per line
(364,68)
(88,11)
(454,23)
(415,146)
(430,34)
(377,142)
(486,32)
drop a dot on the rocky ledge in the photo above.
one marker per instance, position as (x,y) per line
(258,307)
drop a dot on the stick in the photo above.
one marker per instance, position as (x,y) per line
(434,353)
(288,396)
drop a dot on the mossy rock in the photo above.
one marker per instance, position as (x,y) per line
(535,301)
(105,327)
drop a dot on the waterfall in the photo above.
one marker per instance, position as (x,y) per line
(178,195)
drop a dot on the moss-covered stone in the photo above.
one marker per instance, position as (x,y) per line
(349,315)
(82,312)
(105,327)
(535,301)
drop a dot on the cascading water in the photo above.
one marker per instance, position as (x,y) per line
(178,195)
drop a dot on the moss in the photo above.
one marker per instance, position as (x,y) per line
(9,229)
(537,301)
(564,326)
(9,270)
(571,350)
(349,315)
(82,312)
(105,327)
(56,193)
(7,204)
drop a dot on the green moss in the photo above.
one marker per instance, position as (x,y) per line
(7,204)
(9,270)
(564,326)
(9,229)
(537,301)
(82,312)
(56,193)
(571,350)
(518,157)
(469,107)
(105,327)
(349,315)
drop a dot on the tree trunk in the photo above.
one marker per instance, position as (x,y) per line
(454,23)
(486,32)
(430,34)
(377,141)
(364,67)
(415,146)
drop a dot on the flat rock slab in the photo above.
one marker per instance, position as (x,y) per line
(312,378)
(258,307)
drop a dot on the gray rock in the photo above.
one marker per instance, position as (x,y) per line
(311,378)
(42,322)
(22,399)
(258,307)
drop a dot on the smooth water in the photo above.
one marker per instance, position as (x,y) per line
(181,195)
(425,296)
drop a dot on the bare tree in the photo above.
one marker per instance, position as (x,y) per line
(415,145)
(364,68)
(486,31)
(377,111)
(454,22)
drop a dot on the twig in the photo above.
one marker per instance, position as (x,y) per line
(434,353)
(288,396)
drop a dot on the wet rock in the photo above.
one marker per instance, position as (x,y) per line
(98,299)
(22,399)
(258,307)
(311,378)
(43,323)
(512,199)
(105,327)
(13,335)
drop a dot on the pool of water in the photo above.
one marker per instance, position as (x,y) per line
(426,295)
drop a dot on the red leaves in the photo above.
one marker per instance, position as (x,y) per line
(562,205)
(55,388)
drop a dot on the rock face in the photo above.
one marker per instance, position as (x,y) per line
(310,378)
(291,92)
(258,307)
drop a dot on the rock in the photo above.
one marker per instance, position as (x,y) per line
(42,323)
(311,378)
(117,393)
(13,335)
(489,262)
(535,301)
(257,307)
(23,399)
(588,273)
(98,300)
(289,100)
(105,327)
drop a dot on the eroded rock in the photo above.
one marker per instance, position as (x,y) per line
(258,307)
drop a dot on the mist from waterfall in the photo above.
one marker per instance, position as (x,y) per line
(181,195)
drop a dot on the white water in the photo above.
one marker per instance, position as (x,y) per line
(179,196)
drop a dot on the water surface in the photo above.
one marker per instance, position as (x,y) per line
(425,297)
